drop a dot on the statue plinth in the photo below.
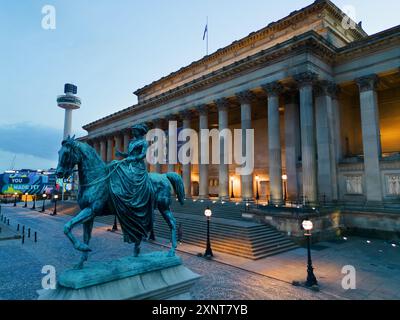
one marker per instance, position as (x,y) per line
(153,276)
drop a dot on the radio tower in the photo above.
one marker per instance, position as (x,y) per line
(69,102)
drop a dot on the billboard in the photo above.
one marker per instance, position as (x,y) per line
(31,182)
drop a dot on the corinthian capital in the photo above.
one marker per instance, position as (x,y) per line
(186,114)
(273,88)
(325,88)
(203,109)
(368,83)
(305,78)
(245,96)
(222,104)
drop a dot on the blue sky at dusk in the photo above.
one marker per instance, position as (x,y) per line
(111,48)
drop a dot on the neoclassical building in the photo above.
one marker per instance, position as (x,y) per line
(322,95)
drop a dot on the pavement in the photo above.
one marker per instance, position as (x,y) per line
(376,262)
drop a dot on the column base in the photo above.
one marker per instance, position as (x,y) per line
(275,202)
(204,198)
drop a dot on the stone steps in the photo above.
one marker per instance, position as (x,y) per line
(254,242)
(233,236)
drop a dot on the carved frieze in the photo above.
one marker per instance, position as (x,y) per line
(393,184)
(354,184)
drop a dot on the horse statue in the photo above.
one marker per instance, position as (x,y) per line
(120,189)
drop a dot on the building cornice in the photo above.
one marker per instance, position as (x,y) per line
(320,6)
(307,42)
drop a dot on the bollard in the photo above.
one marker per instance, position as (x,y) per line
(29,232)
(8,222)
(35,236)
(23,229)
(18,227)
(23,238)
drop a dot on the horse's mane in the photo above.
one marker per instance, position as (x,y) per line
(88,151)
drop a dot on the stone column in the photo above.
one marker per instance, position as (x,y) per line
(223,120)
(187,168)
(110,144)
(126,140)
(203,150)
(96,146)
(273,90)
(336,116)
(307,122)
(292,144)
(245,98)
(158,125)
(103,149)
(172,133)
(371,137)
(325,148)
(118,145)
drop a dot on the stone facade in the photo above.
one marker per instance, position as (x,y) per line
(323,101)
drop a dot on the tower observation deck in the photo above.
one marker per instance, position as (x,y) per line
(69,102)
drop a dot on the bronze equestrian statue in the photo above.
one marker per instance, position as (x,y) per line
(123,188)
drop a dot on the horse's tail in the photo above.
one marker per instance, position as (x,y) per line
(177,184)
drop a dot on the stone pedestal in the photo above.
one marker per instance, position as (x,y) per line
(152,276)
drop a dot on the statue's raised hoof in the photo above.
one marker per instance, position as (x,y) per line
(83,248)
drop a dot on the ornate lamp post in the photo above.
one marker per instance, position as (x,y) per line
(208,253)
(55,205)
(15,199)
(311,279)
(44,196)
(34,202)
(26,200)
(232,185)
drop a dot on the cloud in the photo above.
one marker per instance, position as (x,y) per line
(10,160)
(31,139)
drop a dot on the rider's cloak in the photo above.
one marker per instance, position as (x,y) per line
(131,193)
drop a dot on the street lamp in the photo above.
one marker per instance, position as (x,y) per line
(208,253)
(15,199)
(232,184)
(257,189)
(311,279)
(26,200)
(34,202)
(55,205)
(44,196)
(284,179)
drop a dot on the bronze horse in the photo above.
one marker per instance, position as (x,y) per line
(94,193)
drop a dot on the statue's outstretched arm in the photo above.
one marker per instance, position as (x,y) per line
(143,152)
(121,154)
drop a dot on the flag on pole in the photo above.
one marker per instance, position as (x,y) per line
(205,32)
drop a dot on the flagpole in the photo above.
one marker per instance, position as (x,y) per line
(207,37)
